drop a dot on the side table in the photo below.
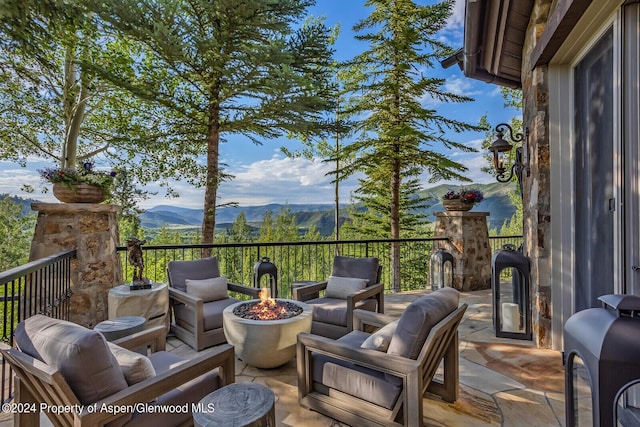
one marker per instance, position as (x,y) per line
(120,327)
(238,405)
(152,304)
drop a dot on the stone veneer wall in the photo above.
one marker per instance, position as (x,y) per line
(469,244)
(536,188)
(91,229)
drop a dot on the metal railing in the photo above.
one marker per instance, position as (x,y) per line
(39,287)
(298,261)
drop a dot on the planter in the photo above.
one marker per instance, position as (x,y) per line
(79,193)
(456,205)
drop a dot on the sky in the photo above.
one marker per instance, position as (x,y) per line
(263,174)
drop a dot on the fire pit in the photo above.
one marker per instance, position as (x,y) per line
(264,331)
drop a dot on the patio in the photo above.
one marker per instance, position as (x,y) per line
(503,382)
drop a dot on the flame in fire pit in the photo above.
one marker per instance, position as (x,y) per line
(267,308)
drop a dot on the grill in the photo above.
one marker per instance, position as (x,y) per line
(602,359)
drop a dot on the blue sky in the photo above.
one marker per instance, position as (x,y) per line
(264,175)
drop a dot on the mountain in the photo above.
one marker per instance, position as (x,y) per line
(496,202)
(24,203)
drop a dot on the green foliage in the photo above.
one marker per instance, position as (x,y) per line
(215,68)
(54,105)
(15,235)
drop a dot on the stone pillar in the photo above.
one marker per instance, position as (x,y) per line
(91,229)
(469,244)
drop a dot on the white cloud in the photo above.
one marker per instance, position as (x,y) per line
(460,86)
(456,20)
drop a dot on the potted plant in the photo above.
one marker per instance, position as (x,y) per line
(462,199)
(83,184)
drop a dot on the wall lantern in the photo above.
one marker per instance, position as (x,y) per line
(511,303)
(441,269)
(501,146)
(266,267)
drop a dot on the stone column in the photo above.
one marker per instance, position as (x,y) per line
(469,244)
(91,229)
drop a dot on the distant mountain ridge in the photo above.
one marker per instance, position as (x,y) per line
(496,202)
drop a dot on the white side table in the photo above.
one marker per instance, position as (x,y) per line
(152,304)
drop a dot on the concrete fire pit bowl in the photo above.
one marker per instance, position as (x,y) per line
(265,343)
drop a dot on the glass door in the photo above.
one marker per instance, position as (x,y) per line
(594,176)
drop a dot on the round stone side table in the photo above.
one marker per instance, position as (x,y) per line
(237,404)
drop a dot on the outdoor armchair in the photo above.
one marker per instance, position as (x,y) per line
(198,295)
(380,378)
(354,284)
(64,365)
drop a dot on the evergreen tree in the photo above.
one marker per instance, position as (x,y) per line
(225,67)
(398,137)
(16,232)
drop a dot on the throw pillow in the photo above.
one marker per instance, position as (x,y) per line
(212,289)
(341,287)
(135,366)
(381,338)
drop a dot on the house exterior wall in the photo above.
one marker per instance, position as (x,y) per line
(537,186)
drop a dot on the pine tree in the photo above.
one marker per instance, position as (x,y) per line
(398,137)
(225,67)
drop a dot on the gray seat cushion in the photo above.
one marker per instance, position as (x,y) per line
(334,310)
(418,319)
(212,313)
(186,394)
(80,354)
(198,269)
(364,383)
(363,268)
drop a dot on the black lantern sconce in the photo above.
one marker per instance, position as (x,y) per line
(501,146)
(266,267)
(511,304)
(441,269)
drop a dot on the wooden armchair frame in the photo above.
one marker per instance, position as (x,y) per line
(307,292)
(417,375)
(196,336)
(192,332)
(37,382)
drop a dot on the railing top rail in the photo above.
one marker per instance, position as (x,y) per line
(23,270)
(515,236)
(296,243)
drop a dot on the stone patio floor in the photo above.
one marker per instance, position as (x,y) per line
(503,382)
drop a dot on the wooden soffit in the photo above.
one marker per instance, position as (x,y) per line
(495,32)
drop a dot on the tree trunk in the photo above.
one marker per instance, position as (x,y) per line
(213,177)
(395,223)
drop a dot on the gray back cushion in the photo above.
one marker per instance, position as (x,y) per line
(418,319)
(362,268)
(80,354)
(198,269)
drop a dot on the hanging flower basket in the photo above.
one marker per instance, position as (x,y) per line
(78,193)
(457,205)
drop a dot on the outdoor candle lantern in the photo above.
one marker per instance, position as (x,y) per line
(264,267)
(441,269)
(602,364)
(511,302)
